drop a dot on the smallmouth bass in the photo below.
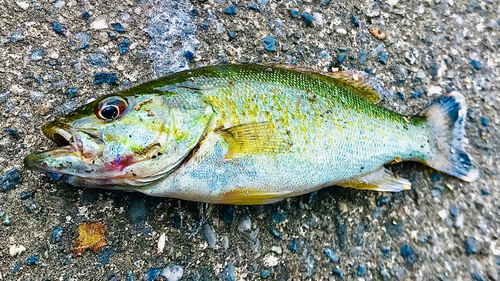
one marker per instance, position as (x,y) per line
(251,134)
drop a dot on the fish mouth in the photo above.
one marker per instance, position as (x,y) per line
(63,136)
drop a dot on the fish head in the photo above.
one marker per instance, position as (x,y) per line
(122,142)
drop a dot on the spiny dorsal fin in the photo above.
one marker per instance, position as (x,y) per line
(359,82)
(254,138)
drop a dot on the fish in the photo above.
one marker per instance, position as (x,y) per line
(251,134)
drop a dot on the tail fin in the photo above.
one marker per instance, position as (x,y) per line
(446,118)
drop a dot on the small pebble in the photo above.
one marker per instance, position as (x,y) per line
(363,55)
(436,192)
(16,268)
(97,60)
(309,265)
(71,92)
(118,27)
(37,55)
(102,77)
(6,221)
(472,246)
(26,194)
(84,38)
(307,18)
(32,207)
(253,7)
(277,250)
(331,254)
(265,273)
(10,180)
(126,83)
(57,234)
(276,233)
(293,245)
(225,242)
(270,43)
(151,274)
(459,221)
(254,233)
(354,20)
(384,273)
(245,224)
(485,121)
(231,35)
(383,58)
(59,4)
(123,45)
(409,254)
(435,176)
(210,236)
(341,58)
(295,13)
(229,273)
(32,260)
(362,270)
(383,201)
(86,15)
(477,276)
(339,273)
(189,56)
(99,24)
(454,210)
(172,272)
(15,37)
(422,238)
(278,216)
(13,133)
(231,10)
(486,191)
(376,213)
(476,64)
(57,27)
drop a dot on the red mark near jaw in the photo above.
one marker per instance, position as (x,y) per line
(120,163)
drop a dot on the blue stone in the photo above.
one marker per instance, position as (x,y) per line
(15,37)
(151,274)
(418,93)
(409,254)
(59,4)
(26,194)
(307,18)
(401,95)
(13,133)
(71,92)
(324,55)
(454,210)
(57,27)
(354,20)
(37,55)
(386,251)
(194,12)
(436,192)
(229,273)
(341,58)
(476,64)
(383,201)
(32,207)
(262,2)
(436,177)
(270,43)
(422,239)
(16,268)
(339,273)
(129,276)
(231,35)
(486,191)
(485,121)
(227,213)
(85,38)
(32,260)
(363,55)
(97,60)
(472,246)
(113,277)
(477,276)
(231,10)
(448,222)
(384,273)
(123,45)
(309,265)
(10,180)
(118,27)
(293,245)
(210,236)
(383,57)
(278,216)
(102,77)
(362,270)
(295,13)
(276,233)
(331,254)
(86,15)
(189,56)
(104,256)
(57,233)
(265,273)
(376,213)
(459,221)
(126,83)
(253,7)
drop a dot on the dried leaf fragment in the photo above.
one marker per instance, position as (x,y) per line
(377,32)
(91,235)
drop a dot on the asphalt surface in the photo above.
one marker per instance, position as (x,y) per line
(443,229)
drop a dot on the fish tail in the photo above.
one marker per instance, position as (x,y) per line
(446,119)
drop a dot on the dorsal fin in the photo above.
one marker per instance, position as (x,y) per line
(359,82)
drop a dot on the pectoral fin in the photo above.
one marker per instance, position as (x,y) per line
(254,138)
(380,180)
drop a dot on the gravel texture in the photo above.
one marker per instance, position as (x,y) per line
(56,55)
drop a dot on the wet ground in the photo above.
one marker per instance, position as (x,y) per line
(55,56)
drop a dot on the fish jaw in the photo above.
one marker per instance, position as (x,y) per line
(57,161)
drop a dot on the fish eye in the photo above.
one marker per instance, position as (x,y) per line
(110,108)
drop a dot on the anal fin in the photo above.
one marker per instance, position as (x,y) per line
(380,180)
(254,138)
(251,197)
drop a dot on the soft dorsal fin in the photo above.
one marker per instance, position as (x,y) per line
(254,138)
(359,82)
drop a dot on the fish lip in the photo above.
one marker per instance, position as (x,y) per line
(63,136)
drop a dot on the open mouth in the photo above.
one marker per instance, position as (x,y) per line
(62,135)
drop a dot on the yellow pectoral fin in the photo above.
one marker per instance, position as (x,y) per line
(380,180)
(251,197)
(254,138)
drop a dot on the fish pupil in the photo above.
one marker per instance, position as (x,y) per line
(109,112)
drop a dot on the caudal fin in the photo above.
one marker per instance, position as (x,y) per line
(446,118)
